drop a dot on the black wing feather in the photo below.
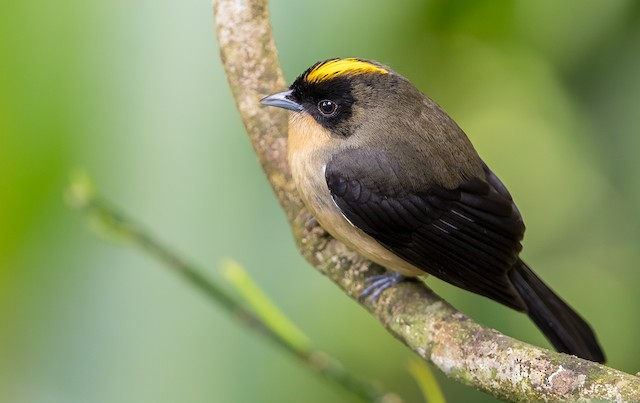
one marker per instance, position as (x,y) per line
(469,236)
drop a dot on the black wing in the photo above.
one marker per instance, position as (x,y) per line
(468,236)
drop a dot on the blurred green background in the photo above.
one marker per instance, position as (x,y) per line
(549,92)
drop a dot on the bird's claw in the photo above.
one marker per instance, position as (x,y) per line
(379,283)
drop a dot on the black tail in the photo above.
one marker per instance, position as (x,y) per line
(562,326)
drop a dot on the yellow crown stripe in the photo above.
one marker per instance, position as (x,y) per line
(338,67)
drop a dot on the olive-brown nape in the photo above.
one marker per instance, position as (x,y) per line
(338,67)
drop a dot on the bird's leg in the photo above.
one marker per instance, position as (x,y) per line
(379,283)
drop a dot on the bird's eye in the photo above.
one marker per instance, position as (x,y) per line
(327,107)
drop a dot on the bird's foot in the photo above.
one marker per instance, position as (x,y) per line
(379,283)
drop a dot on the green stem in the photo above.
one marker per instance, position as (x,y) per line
(426,380)
(111,222)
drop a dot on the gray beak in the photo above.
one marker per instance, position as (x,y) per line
(282,100)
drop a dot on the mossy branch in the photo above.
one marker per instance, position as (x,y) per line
(464,350)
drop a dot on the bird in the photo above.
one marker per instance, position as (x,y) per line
(385,170)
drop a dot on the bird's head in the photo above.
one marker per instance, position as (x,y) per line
(341,94)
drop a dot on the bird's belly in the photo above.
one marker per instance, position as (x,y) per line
(308,174)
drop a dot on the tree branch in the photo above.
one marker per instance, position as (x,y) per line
(464,350)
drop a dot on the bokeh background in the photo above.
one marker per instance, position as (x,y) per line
(133,91)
